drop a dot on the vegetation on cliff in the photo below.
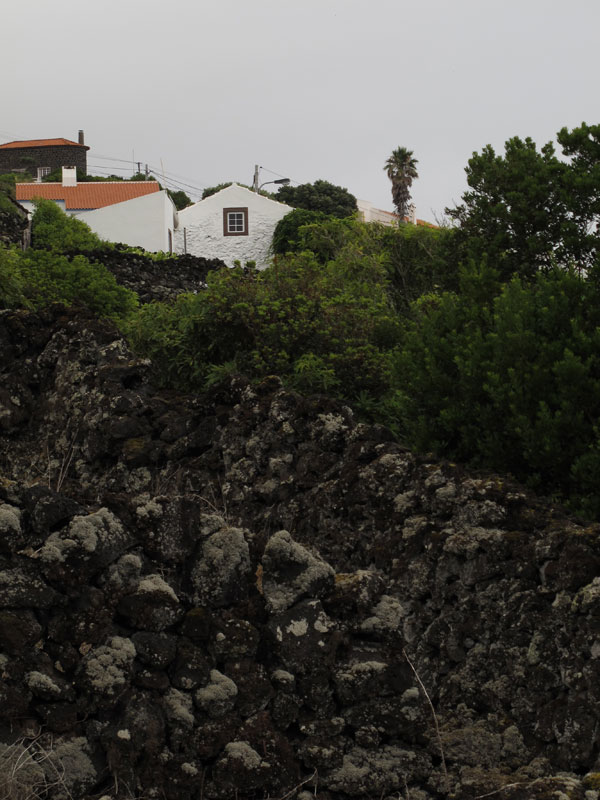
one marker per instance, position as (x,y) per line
(45,274)
(477,341)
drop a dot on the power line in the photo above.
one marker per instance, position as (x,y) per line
(112,158)
(168,182)
(165,176)
(100,168)
(173,177)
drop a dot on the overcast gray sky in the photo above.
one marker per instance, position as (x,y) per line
(306,88)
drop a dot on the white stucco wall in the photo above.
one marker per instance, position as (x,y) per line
(141,222)
(203,224)
(369,213)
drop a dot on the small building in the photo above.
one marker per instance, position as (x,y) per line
(234,224)
(40,157)
(136,213)
(368,213)
(148,221)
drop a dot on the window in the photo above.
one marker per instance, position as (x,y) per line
(42,172)
(235,222)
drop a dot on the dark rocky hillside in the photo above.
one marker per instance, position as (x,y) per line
(251,595)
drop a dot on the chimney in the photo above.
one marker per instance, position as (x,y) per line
(69,176)
(80,139)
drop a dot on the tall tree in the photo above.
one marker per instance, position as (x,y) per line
(401,168)
(528,209)
(319,196)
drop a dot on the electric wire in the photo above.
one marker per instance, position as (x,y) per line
(168,182)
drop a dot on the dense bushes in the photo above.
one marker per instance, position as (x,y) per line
(285,236)
(52,278)
(484,361)
(322,328)
(38,278)
(510,382)
(12,283)
(54,230)
(417,259)
(44,274)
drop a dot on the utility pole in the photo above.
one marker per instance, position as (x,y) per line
(139,163)
(255,182)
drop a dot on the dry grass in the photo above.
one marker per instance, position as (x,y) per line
(29,772)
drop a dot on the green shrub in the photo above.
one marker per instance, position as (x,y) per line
(54,230)
(418,259)
(322,328)
(53,278)
(510,383)
(285,236)
(12,283)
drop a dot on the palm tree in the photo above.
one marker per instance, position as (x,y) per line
(401,169)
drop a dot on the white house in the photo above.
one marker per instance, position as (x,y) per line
(136,213)
(368,213)
(149,221)
(234,224)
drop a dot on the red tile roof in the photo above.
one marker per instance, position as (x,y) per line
(42,143)
(87,195)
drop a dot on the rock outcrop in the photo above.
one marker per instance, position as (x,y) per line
(250,594)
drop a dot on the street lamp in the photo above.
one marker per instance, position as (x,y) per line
(257,188)
(282,181)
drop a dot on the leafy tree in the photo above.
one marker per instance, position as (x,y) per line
(12,284)
(285,236)
(319,196)
(180,199)
(56,176)
(417,259)
(401,168)
(529,210)
(7,193)
(52,229)
(507,377)
(8,183)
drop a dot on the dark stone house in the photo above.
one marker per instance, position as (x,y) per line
(40,157)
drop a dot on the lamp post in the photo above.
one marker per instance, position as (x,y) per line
(281,181)
(257,188)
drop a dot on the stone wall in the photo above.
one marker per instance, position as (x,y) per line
(154,279)
(238,594)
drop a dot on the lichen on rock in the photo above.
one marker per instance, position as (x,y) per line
(106,669)
(217,697)
(221,571)
(291,572)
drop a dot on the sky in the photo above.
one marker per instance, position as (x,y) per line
(202,90)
